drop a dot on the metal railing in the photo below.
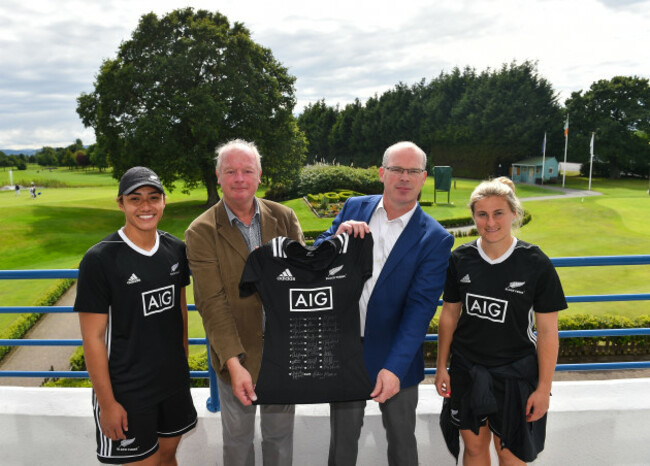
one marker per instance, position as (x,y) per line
(213,400)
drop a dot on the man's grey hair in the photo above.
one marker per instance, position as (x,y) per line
(404,145)
(238,144)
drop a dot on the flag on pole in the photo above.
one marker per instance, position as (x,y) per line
(591,160)
(543,156)
(566,126)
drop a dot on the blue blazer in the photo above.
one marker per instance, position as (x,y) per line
(405,297)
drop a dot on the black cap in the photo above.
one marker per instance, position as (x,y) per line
(136,177)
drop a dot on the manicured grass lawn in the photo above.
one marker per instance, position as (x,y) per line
(57,177)
(55,230)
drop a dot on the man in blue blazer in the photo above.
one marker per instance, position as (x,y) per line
(410,257)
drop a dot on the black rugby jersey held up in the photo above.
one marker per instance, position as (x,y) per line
(312,349)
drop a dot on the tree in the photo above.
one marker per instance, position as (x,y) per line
(46,157)
(341,135)
(82,159)
(618,112)
(316,121)
(472,121)
(185,83)
(97,157)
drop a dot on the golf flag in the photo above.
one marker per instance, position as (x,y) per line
(566,126)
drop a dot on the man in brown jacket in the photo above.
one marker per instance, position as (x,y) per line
(218,244)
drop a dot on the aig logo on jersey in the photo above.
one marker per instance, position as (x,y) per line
(311,299)
(158,300)
(485,307)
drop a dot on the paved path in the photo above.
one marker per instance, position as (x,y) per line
(43,358)
(563,193)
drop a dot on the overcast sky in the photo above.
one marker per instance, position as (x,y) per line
(50,51)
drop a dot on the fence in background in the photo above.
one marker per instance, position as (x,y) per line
(213,401)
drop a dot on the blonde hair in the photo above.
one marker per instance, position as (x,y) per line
(502,187)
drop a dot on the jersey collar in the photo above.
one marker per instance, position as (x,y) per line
(500,259)
(138,249)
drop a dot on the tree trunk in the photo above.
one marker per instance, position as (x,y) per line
(210,181)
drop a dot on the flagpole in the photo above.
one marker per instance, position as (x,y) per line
(543,156)
(566,145)
(591,163)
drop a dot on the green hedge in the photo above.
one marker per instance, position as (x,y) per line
(322,178)
(24,322)
(587,348)
(197,362)
(582,348)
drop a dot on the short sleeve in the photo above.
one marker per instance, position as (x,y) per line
(549,296)
(451,293)
(93,290)
(185,278)
(365,256)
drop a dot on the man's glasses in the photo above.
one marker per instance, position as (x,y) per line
(409,171)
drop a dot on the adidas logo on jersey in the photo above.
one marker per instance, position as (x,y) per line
(286,276)
(466,279)
(133,279)
(511,287)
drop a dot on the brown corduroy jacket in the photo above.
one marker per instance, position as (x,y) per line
(217,253)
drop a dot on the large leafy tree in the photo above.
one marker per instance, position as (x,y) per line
(618,112)
(185,83)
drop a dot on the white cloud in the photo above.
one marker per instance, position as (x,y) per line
(338,50)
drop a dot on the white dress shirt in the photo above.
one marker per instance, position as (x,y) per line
(385,234)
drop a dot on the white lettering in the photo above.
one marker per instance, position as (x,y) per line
(158,300)
(486,307)
(311,299)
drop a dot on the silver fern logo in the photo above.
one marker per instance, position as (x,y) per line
(127,442)
(513,287)
(335,270)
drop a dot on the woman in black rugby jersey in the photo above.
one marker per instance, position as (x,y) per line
(498,289)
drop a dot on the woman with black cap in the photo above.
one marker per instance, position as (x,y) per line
(133,316)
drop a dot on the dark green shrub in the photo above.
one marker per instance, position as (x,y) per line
(77,360)
(321,178)
(585,348)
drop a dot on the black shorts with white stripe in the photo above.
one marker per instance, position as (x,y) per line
(171,417)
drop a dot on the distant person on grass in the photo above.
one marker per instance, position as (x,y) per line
(133,314)
(499,381)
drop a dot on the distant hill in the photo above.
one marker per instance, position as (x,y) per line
(19,151)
